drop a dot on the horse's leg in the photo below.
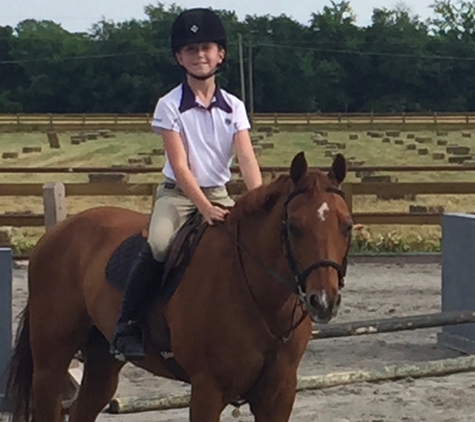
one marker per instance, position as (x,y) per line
(272,399)
(206,402)
(52,352)
(100,380)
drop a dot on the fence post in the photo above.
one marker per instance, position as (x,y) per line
(54,203)
(5,319)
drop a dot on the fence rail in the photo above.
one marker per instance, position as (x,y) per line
(124,121)
(236,188)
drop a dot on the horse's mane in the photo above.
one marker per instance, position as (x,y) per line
(266,196)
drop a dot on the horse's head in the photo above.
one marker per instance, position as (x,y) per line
(316,232)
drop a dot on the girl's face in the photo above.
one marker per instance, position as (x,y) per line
(200,59)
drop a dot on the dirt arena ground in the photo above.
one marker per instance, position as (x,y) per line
(373,291)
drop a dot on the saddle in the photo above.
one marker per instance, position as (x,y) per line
(179,254)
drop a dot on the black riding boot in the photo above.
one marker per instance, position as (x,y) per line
(145,274)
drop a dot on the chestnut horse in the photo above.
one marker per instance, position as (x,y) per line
(240,319)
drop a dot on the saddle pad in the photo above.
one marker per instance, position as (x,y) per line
(120,262)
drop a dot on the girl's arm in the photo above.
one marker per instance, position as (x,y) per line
(247,160)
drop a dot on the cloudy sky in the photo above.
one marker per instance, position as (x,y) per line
(79,15)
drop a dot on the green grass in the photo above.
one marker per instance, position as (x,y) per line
(117,151)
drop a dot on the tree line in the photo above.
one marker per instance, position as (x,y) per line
(397,63)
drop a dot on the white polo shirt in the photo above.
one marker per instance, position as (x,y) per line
(206,132)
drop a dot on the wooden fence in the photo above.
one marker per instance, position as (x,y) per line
(236,188)
(129,121)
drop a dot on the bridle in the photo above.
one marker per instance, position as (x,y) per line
(300,277)
(297,285)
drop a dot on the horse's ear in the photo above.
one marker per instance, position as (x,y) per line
(298,168)
(338,170)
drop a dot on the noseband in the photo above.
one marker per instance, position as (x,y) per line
(300,277)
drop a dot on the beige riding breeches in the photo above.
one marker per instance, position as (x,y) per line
(171,210)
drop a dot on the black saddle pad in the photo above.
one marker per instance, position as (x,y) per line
(179,255)
(120,262)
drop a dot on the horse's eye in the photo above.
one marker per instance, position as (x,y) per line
(294,230)
(348,229)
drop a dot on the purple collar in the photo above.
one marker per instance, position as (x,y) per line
(188,100)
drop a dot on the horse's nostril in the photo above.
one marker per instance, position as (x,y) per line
(314,302)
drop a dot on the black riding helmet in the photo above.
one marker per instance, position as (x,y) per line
(195,26)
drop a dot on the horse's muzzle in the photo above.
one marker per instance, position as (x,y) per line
(321,307)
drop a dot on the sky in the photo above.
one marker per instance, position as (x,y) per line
(79,15)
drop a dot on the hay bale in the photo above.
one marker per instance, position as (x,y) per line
(353,136)
(321,132)
(377,179)
(91,136)
(331,145)
(398,142)
(377,135)
(320,141)
(442,142)
(158,151)
(356,163)
(340,145)
(418,209)
(135,161)
(442,133)
(466,135)
(267,145)
(396,196)
(77,139)
(457,150)
(328,153)
(459,159)
(423,151)
(108,177)
(393,133)
(386,140)
(267,129)
(257,149)
(29,150)
(411,147)
(254,140)
(8,155)
(366,173)
(276,129)
(106,133)
(147,159)
(410,136)
(438,156)
(423,140)
(53,140)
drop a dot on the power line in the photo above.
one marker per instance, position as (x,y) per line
(257,44)
(366,53)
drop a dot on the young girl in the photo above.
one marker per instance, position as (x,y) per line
(201,125)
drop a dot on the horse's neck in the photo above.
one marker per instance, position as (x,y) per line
(261,238)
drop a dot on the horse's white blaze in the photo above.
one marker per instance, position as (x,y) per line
(322,211)
(324,299)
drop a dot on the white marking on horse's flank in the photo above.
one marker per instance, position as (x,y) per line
(322,211)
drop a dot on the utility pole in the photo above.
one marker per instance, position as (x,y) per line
(241,69)
(251,83)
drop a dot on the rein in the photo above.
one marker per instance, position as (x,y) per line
(297,285)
